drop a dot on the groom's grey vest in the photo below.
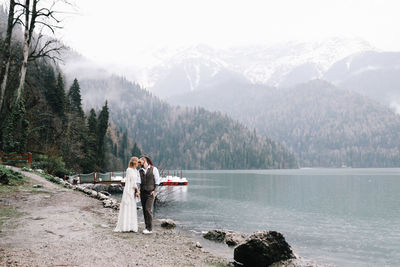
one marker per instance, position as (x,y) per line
(147,180)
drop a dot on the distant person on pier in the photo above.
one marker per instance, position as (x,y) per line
(127,217)
(148,180)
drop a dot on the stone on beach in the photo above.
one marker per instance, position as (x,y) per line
(107,203)
(105,193)
(93,193)
(168,223)
(101,196)
(87,191)
(215,235)
(263,249)
(115,188)
(111,203)
(99,187)
(233,238)
(88,186)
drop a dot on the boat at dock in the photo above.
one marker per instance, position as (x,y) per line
(119,178)
(173,180)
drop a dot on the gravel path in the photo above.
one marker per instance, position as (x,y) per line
(62,227)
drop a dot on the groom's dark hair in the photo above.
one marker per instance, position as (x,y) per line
(148,160)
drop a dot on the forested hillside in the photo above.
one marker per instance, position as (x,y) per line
(321,124)
(70,131)
(50,122)
(189,138)
(48,118)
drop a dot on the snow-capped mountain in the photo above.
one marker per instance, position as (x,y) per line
(285,64)
(277,64)
(193,68)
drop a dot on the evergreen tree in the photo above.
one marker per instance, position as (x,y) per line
(74,96)
(76,144)
(123,148)
(49,80)
(136,151)
(102,125)
(15,130)
(90,162)
(60,96)
(92,123)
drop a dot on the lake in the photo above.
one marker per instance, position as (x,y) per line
(346,217)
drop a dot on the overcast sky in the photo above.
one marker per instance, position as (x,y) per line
(120,31)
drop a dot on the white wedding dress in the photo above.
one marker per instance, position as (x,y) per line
(127,217)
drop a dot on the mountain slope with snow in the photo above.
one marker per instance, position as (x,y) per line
(201,67)
(373,74)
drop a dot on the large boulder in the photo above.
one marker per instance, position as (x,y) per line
(99,187)
(262,249)
(115,188)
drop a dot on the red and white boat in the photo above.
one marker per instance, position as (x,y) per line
(173,180)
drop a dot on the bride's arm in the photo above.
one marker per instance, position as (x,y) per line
(135,176)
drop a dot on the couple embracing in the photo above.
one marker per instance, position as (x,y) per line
(143,183)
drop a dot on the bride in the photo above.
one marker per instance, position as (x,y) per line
(127,217)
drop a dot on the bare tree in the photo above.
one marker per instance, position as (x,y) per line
(13,19)
(43,47)
(164,196)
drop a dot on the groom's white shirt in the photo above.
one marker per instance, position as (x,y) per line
(155,173)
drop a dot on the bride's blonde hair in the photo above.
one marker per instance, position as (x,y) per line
(133,162)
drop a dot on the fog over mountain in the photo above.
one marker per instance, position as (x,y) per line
(323,125)
(273,89)
(175,137)
(373,74)
(285,64)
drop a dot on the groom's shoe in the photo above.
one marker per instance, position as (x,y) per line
(147,232)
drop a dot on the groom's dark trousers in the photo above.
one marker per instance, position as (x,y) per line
(147,205)
(147,186)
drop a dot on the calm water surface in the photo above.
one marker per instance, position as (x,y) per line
(346,217)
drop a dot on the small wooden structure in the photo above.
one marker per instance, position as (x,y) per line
(94,178)
(16,157)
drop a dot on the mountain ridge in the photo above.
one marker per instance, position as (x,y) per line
(190,138)
(271,64)
(323,125)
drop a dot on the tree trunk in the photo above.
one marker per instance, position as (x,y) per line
(27,38)
(6,55)
(23,72)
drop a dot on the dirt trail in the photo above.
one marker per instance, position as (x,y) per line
(62,227)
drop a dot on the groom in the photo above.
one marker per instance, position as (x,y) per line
(148,181)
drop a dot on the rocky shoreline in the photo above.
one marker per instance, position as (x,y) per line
(57,226)
(259,249)
(271,245)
